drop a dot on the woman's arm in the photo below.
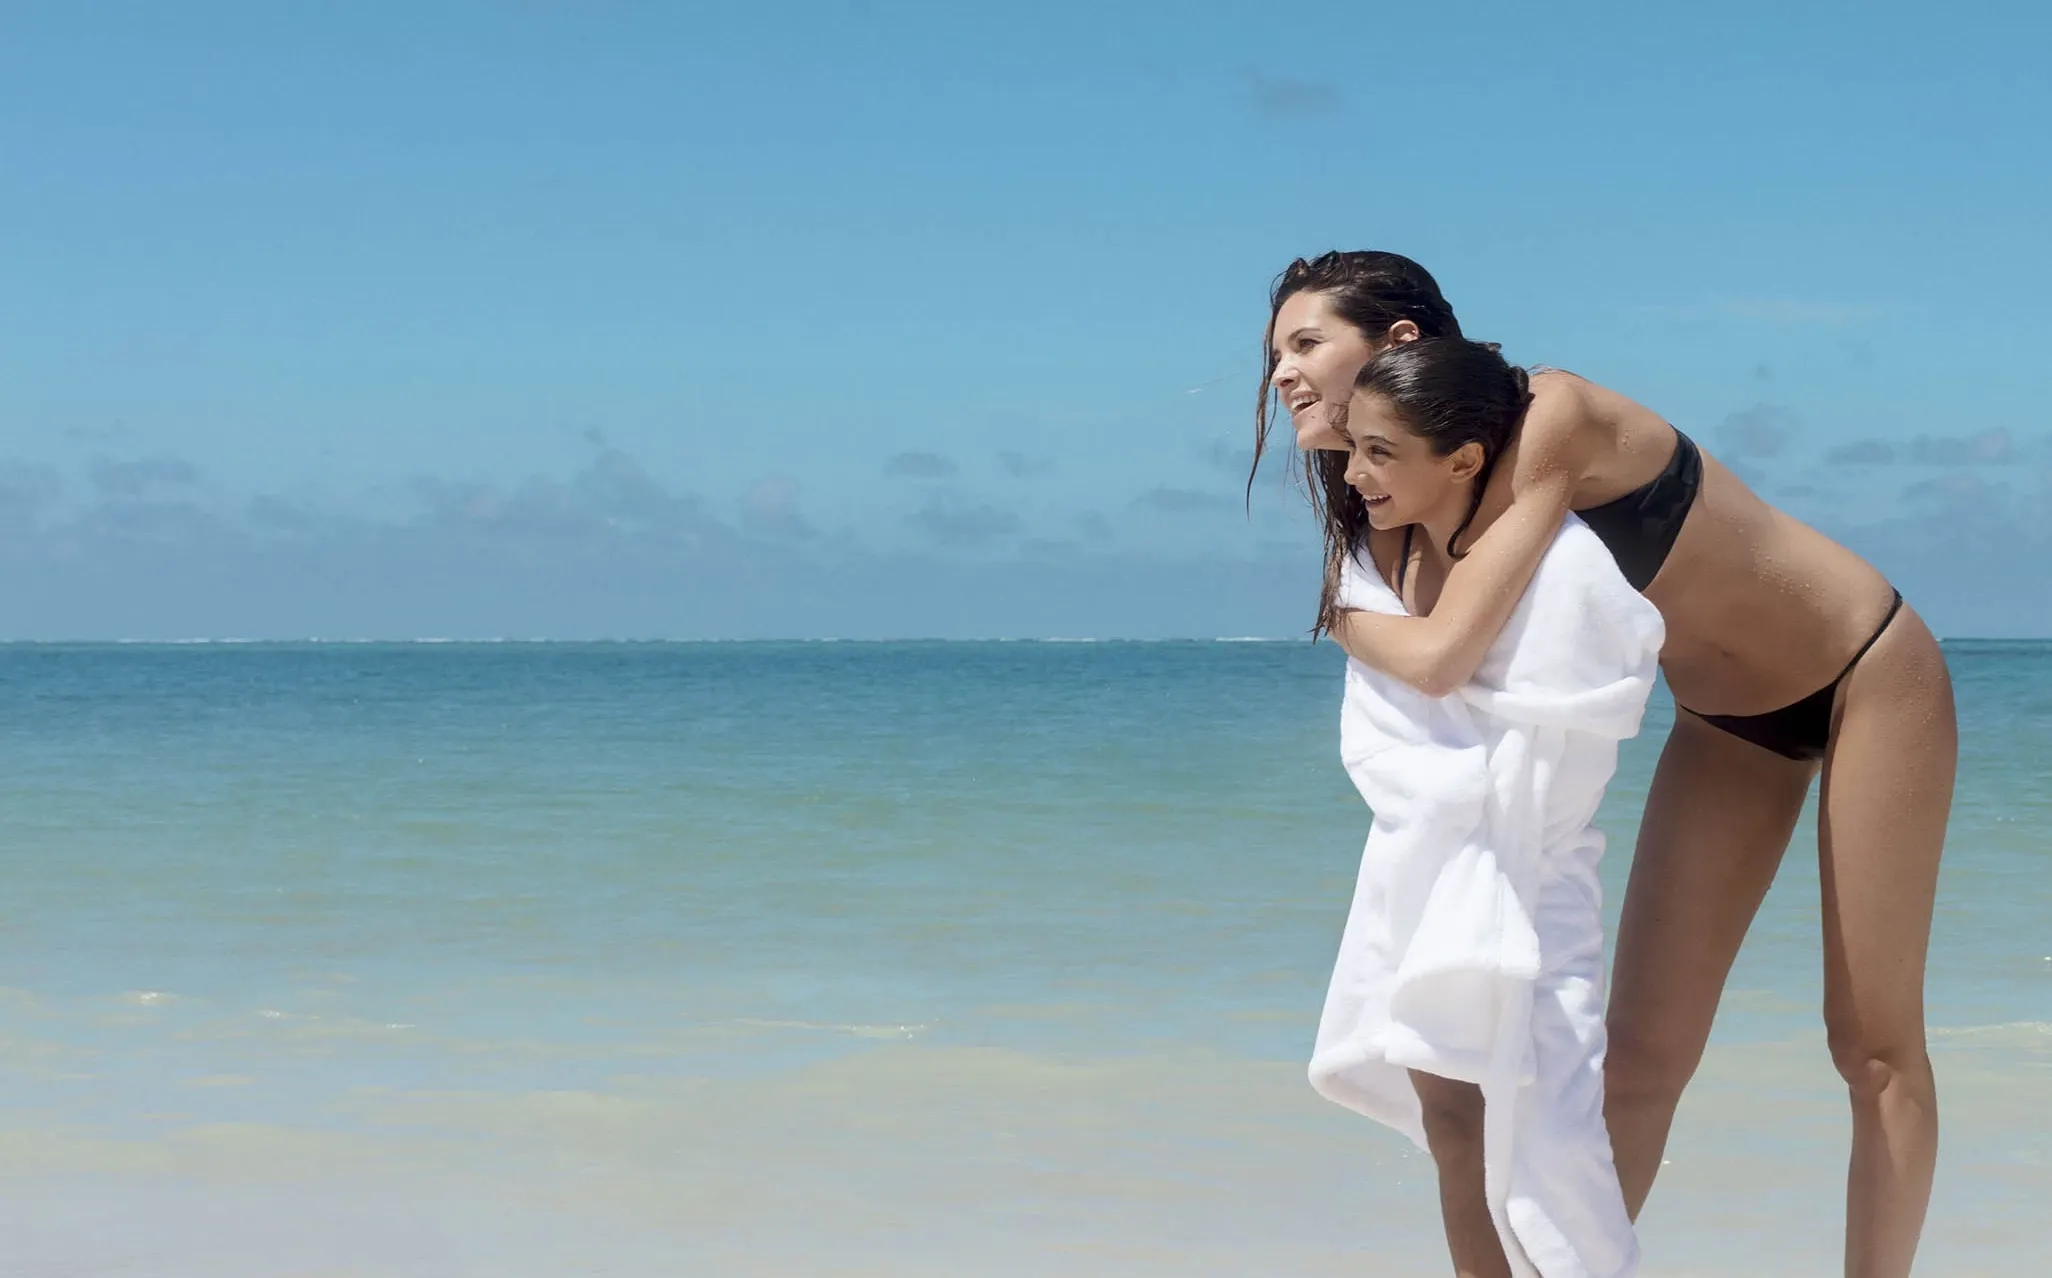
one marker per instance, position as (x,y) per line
(1438,653)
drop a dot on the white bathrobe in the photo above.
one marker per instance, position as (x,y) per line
(1474,949)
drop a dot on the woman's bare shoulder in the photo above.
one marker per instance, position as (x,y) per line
(1569,397)
(1578,425)
(1558,394)
(1584,435)
(1562,430)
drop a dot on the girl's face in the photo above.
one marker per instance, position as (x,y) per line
(1317,356)
(1397,472)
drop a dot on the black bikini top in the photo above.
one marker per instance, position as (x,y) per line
(1640,527)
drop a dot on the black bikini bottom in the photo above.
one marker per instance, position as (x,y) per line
(1803,730)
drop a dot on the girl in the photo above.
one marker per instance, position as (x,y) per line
(1466,1005)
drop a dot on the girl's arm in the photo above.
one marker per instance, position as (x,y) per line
(1438,653)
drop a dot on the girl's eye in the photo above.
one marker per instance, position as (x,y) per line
(1378,452)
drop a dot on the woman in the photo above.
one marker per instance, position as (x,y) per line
(1466,1004)
(1784,652)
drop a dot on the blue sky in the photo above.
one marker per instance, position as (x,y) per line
(659,319)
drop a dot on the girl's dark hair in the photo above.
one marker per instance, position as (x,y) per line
(1449,391)
(1370,290)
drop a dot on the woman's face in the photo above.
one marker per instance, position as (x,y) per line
(1317,356)
(1399,476)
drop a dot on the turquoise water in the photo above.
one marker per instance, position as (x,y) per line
(770,957)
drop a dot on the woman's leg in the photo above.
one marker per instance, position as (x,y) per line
(1453,1132)
(1718,819)
(1887,795)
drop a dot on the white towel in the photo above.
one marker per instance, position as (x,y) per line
(1474,948)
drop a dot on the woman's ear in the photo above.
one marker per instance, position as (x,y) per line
(1402,331)
(1465,462)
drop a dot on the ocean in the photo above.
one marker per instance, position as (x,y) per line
(838,959)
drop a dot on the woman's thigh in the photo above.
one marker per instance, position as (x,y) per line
(1718,820)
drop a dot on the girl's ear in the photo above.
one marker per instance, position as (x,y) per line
(1465,462)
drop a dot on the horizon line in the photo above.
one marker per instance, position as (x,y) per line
(433,641)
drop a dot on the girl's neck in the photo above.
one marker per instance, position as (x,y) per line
(1439,527)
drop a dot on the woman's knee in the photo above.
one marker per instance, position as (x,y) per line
(1648,1067)
(1872,1065)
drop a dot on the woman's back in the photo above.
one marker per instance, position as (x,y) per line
(1760,608)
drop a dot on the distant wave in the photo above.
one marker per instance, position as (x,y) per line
(2006,1033)
(856,1031)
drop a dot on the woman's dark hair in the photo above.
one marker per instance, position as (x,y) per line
(1370,290)
(1449,391)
